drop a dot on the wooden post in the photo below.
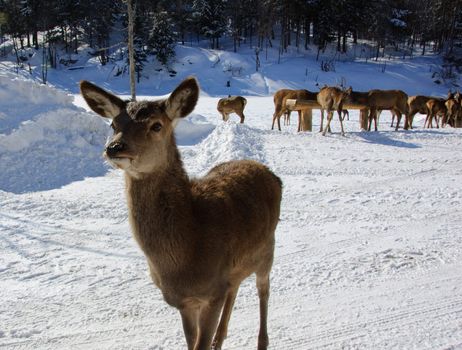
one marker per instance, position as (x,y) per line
(307,119)
(131,54)
(363,119)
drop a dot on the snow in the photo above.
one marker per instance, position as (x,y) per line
(368,250)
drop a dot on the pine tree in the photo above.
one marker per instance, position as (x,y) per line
(139,45)
(162,38)
(210,19)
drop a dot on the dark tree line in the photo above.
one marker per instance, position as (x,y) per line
(434,25)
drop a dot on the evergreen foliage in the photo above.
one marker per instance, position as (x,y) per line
(434,25)
(162,38)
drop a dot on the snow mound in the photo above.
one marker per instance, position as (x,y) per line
(45,141)
(192,130)
(229,141)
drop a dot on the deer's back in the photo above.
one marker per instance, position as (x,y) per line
(418,103)
(236,206)
(330,97)
(232,103)
(452,106)
(279,96)
(386,99)
(357,97)
(436,105)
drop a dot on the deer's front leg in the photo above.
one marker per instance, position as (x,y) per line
(190,318)
(208,320)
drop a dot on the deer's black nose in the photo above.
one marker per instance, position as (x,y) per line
(114,148)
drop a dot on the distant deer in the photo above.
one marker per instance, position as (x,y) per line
(453,107)
(331,99)
(436,107)
(394,100)
(232,104)
(416,104)
(201,237)
(280,108)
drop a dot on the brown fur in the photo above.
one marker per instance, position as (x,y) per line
(417,104)
(232,104)
(201,237)
(359,97)
(331,99)
(436,107)
(394,100)
(280,98)
(453,108)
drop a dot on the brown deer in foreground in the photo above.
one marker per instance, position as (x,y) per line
(416,104)
(280,98)
(201,237)
(232,104)
(331,99)
(436,107)
(394,100)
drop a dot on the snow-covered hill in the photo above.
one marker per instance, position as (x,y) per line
(368,251)
(216,68)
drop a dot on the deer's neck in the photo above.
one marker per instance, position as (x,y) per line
(160,213)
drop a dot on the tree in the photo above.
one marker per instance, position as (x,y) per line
(131,53)
(162,38)
(210,19)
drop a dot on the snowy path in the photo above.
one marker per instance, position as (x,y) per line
(368,255)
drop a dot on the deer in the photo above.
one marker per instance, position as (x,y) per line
(436,107)
(453,108)
(279,108)
(201,237)
(232,104)
(416,104)
(331,99)
(394,100)
(280,98)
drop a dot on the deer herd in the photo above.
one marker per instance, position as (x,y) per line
(371,103)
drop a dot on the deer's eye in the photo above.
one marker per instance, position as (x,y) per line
(156,127)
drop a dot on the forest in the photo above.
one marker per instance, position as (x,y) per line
(403,25)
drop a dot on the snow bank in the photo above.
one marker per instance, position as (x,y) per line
(226,142)
(22,100)
(192,130)
(45,141)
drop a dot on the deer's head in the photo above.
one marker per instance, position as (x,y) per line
(143,131)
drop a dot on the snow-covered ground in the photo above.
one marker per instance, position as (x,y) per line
(369,246)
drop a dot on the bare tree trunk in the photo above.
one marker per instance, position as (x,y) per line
(344,47)
(338,41)
(131,54)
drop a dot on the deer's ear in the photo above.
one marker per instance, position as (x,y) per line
(183,99)
(100,101)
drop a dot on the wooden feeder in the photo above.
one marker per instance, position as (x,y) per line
(306,107)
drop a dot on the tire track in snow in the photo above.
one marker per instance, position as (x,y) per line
(333,337)
(415,313)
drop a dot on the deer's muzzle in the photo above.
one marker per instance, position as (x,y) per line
(114,149)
